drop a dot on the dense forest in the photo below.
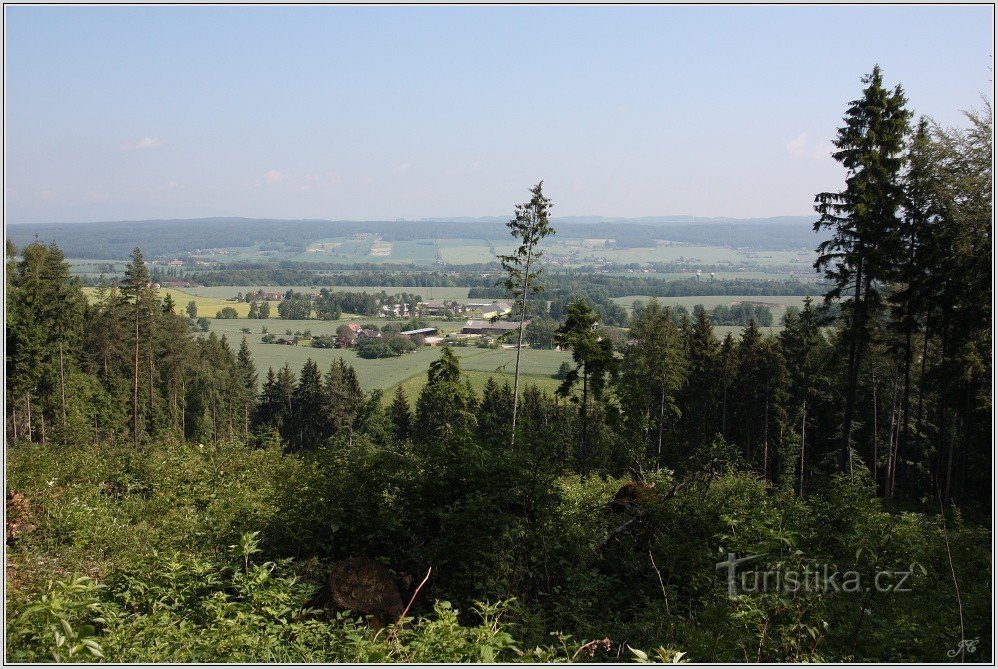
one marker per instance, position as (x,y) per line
(169,501)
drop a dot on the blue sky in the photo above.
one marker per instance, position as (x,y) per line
(410,112)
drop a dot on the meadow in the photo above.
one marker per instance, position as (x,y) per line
(385,373)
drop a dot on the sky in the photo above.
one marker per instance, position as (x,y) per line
(121,113)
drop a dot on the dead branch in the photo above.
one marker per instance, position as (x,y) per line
(665,594)
(414,594)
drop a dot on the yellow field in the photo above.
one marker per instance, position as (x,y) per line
(207,306)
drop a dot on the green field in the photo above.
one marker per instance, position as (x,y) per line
(465,251)
(414,384)
(380,373)
(428,252)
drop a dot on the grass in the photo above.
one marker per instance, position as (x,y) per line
(413,386)
(465,251)
(383,373)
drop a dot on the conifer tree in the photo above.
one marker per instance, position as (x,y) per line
(134,288)
(864,222)
(247,382)
(310,426)
(445,409)
(400,414)
(653,371)
(529,227)
(595,363)
(700,396)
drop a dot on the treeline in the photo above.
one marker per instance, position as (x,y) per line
(115,240)
(331,305)
(123,367)
(621,286)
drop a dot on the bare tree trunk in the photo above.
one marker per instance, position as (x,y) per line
(852,379)
(27,404)
(874,429)
(661,420)
(585,413)
(135,379)
(152,384)
(62,382)
(765,437)
(519,343)
(724,411)
(949,461)
(803,427)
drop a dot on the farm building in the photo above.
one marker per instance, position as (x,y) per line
(425,332)
(368,334)
(441,307)
(394,310)
(487,328)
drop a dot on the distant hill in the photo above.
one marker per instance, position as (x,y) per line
(643,220)
(116,239)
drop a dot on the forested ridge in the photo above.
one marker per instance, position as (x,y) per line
(169,501)
(115,240)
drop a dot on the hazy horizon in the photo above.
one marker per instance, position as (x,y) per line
(653,219)
(380,113)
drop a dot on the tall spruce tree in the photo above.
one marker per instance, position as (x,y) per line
(247,383)
(864,222)
(310,425)
(529,227)
(135,288)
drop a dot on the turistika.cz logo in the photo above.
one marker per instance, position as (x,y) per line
(810,578)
